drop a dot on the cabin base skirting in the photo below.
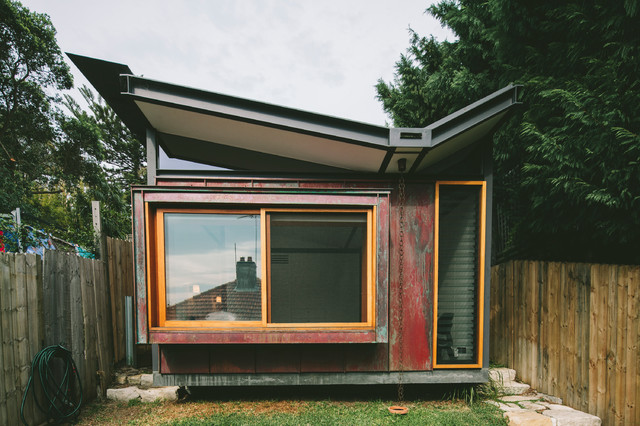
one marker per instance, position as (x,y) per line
(351,378)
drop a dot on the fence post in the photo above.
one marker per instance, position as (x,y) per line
(101,244)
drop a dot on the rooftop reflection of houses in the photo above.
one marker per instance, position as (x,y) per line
(238,300)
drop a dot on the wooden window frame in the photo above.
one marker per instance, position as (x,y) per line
(156,280)
(481,273)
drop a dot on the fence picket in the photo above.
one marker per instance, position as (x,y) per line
(632,384)
(586,337)
(61,299)
(5,282)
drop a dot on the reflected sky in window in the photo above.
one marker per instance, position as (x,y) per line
(201,250)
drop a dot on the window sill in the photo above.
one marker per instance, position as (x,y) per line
(253,336)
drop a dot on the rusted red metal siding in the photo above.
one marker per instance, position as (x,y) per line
(283,358)
(416,300)
(333,351)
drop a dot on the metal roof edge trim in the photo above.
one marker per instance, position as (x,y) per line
(242,109)
(511,89)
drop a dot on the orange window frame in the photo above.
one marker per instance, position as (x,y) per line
(480,283)
(156,279)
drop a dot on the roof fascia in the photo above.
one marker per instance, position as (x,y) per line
(472,115)
(457,122)
(290,119)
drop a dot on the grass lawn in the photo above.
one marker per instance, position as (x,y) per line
(289,412)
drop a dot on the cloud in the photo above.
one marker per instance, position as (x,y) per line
(322,56)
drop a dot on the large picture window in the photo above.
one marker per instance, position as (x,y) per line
(211,264)
(268,267)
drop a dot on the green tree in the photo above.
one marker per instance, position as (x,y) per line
(55,161)
(30,64)
(568,163)
(96,158)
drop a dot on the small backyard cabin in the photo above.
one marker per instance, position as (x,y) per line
(280,247)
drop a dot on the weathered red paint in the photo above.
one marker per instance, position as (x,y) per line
(236,198)
(366,357)
(382,265)
(187,359)
(231,359)
(417,297)
(140,266)
(277,359)
(287,351)
(261,337)
(288,358)
(321,358)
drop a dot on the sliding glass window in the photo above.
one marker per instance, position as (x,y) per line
(317,265)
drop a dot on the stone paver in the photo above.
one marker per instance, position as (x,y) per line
(518,398)
(123,394)
(140,387)
(506,406)
(536,408)
(146,380)
(515,388)
(529,418)
(572,418)
(559,407)
(134,380)
(529,405)
(166,393)
(549,398)
(501,375)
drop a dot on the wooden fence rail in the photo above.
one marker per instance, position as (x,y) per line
(61,299)
(571,330)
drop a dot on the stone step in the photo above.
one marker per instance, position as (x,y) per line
(502,375)
(514,388)
(166,393)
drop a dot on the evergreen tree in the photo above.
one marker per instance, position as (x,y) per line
(568,163)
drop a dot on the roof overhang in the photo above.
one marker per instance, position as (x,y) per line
(220,130)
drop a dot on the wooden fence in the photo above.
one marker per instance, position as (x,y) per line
(571,330)
(61,299)
(120,261)
(21,331)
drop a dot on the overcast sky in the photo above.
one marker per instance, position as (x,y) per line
(323,56)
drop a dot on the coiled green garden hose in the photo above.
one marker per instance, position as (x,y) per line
(62,397)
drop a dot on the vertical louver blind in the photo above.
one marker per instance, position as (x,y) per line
(458,268)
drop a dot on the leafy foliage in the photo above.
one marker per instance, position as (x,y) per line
(568,163)
(54,162)
(30,63)
(97,158)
